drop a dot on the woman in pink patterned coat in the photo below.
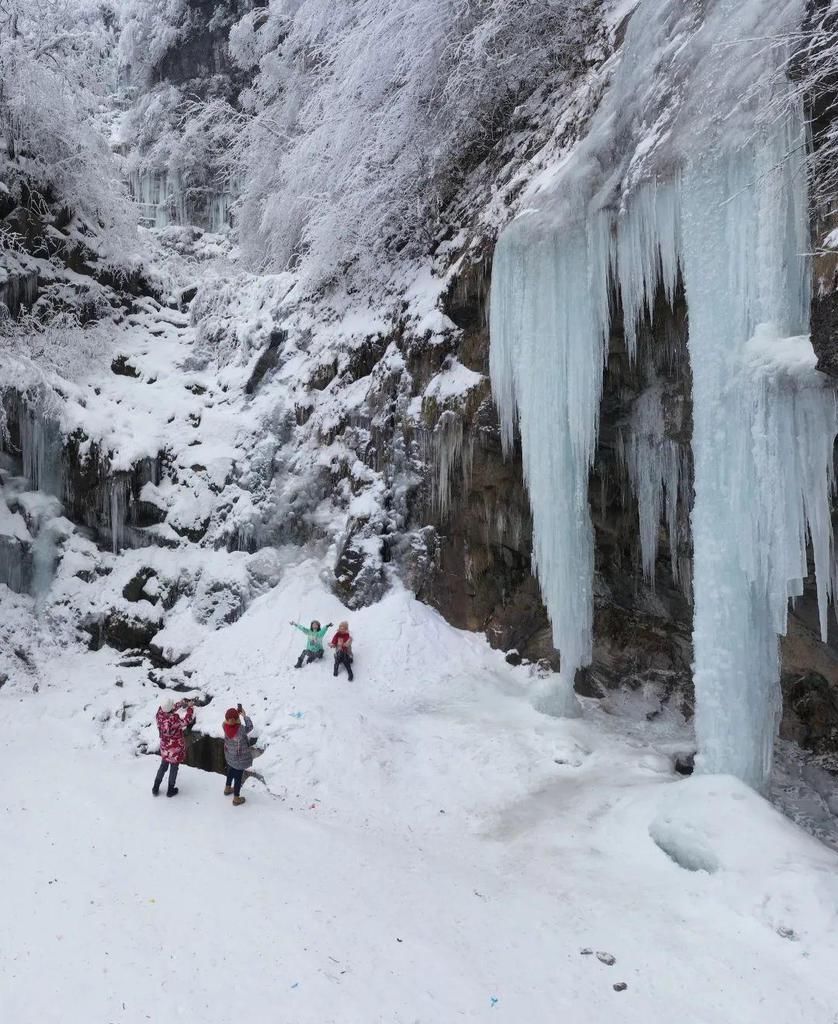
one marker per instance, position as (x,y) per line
(172,741)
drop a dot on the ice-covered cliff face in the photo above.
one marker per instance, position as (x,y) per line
(693,171)
(226,420)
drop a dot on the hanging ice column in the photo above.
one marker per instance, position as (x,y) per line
(763,433)
(549,291)
(731,213)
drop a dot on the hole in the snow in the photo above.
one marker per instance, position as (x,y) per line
(683,845)
(207,753)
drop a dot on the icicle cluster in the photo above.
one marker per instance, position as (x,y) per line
(728,214)
(106,506)
(659,477)
(18,288)
(451,458)
(159,196)
(163,199)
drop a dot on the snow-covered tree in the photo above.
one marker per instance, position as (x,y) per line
(150,29)
(173,56)
(56,69)
(365,116)
(815,67)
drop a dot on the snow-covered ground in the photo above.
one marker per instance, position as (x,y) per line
(425,847)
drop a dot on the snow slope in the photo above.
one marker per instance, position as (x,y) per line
(425,847)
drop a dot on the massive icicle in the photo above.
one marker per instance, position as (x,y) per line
(547,301)
(715,191)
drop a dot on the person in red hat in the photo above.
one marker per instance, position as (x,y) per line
(172,729)
(342,644)
(237,752)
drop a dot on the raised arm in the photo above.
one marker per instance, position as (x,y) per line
(186,721)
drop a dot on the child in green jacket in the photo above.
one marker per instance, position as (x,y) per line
(314,642)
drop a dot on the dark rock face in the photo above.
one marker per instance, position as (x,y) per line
(359,579)
(200,57)
(16,565)
(160,657)
(267,361)
(135,589)
(476,565)
(122,367)
(810,679)
(107,503)
(478,574)
(819,30)
(477,559)
(123,630)
(811,713)
(824,312)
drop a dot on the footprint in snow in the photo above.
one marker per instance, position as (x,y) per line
(604,958)
(571,756)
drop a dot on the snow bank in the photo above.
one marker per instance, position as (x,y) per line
(423,845)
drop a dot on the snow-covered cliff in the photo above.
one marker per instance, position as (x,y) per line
(314,376)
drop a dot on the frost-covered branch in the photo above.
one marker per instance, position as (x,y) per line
(56,68)
(364,118)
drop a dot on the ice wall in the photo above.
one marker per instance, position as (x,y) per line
(694,164)
(163,199)
(160,198)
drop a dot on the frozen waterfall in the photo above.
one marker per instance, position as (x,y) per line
(717,194)
(164,199)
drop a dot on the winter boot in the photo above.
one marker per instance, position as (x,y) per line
(155,791)
(238,800)
(336,670)
(172,792)
(228,790)
(351,677)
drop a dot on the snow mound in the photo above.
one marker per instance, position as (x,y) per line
(702,817)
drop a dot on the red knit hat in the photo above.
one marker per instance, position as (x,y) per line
(231,723)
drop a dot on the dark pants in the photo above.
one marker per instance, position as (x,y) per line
(165,766)
(308,656)
(343,658)
(234,779)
